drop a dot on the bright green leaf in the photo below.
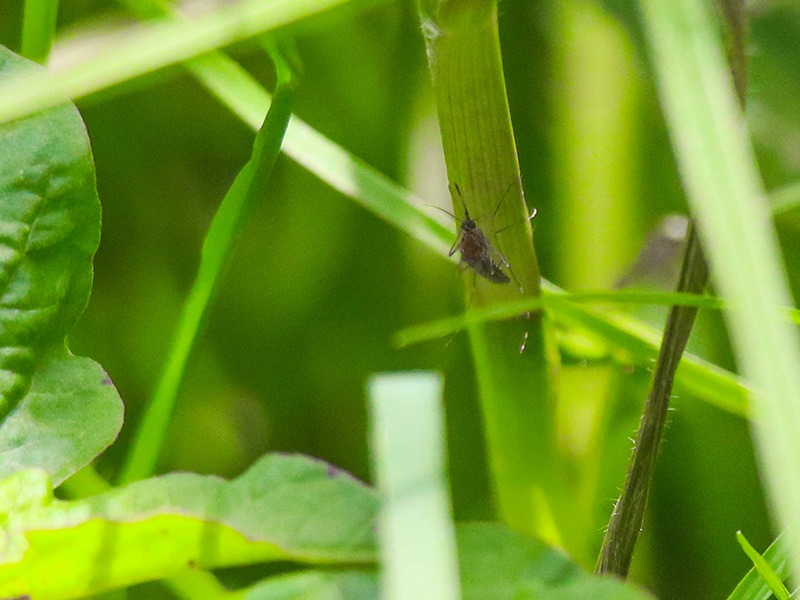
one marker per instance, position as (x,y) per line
(317,585)
(765,570)
(497,564)
(49,231)
(48,429)
(286,508)
(752,586)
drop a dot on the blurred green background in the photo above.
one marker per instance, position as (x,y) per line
(317,285)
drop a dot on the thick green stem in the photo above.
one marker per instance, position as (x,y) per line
(481,158)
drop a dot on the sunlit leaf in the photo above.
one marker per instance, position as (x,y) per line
(49,231)
(284,508)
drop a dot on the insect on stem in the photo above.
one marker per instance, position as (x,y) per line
(476,249)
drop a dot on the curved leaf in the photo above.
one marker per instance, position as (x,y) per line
(317,585)
(49,231)
(49,431)
(284,508)
(498,564)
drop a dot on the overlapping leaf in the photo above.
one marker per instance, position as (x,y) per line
(49,231)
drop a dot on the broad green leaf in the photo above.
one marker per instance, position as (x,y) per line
(284,508)
(317,585)
(71,412)
(49,231)
(497,564)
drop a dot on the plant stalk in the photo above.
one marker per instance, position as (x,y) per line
(627,518)
(483,169)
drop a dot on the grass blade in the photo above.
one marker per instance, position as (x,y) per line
(785,199)
(518,401)
(762,566)
(694,376)
(752,586)
(245,191)
(720,177)
(38,29)
(150,48)
(416,533)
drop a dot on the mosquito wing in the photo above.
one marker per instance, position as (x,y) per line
(457,243)
(490,270)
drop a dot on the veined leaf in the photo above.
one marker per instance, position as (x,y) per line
(49,231)
(284,508)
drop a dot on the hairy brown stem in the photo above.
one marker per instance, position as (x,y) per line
(626,521)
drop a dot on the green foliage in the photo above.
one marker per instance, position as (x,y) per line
(50,219)
(48,429)
(764,569)
(302,312)
(754,586)
(721,179)
(282,509)
(314,585)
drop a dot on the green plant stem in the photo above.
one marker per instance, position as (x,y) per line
(38,29)
(225,228)
(515,387)
(626,520)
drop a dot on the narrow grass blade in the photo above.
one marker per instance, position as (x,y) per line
(247,188)
(752,586)
(508,310)
(719,173)
(38,29)
(415,529)
(150,48)
(764,569)
(695,376)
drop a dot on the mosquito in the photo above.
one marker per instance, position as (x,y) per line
(477,252)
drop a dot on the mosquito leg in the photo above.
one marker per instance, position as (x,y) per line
(472,289)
